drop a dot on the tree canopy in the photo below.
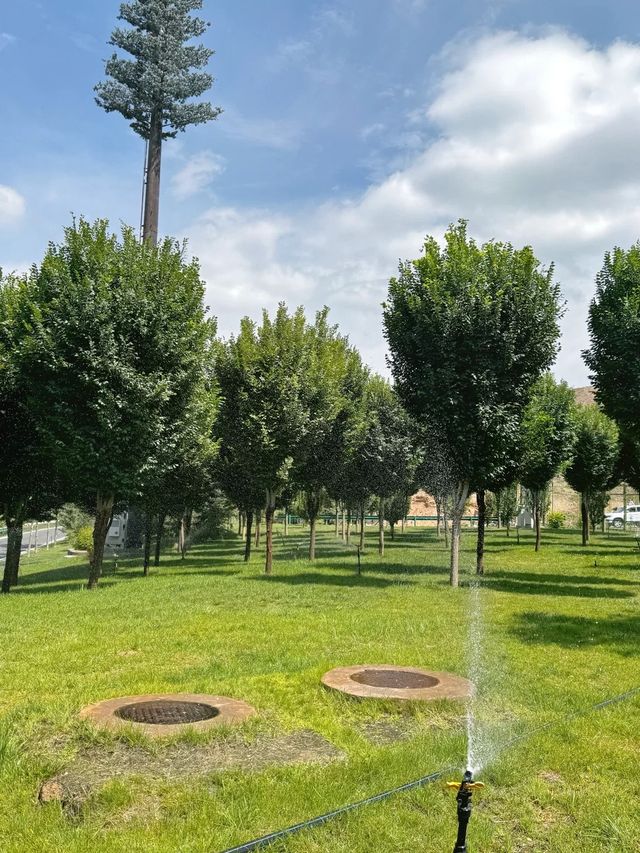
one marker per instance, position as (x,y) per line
(470,328)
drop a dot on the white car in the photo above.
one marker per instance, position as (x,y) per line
(616,517)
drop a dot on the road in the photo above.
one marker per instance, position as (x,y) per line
(42,539)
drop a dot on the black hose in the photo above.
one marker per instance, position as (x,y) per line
(266,840)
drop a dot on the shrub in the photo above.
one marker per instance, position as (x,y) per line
(82,538)
(556,520)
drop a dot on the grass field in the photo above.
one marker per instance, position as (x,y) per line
(560,631)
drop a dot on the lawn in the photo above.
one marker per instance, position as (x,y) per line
(555,633)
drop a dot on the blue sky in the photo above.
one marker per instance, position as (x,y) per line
(350,130)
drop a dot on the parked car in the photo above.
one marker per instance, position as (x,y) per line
(616,517)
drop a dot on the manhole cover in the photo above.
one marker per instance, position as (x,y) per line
(163,712)
(397,679)
(386,681)
(168,714)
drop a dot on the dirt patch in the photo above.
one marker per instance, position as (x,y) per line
(98,765)
(384,732)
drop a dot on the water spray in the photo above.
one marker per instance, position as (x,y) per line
(465,791)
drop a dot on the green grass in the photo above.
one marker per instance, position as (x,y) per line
(561,631)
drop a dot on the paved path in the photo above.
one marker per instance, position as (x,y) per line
(42,539)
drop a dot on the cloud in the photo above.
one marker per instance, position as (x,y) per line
(532,138)
(12,205)
(5,40)
(197,174)
(281,134)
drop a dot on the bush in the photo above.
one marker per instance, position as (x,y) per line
(72,517)
(82,538)
(556,520)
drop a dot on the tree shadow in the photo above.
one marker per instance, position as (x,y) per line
(545,577)
(579,632)
(560,590)
(330,580)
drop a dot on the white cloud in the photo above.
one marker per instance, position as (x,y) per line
(281,134)
(197,174)
(533,139)
(12,205)
(6,39)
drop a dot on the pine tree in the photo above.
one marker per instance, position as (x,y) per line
(153,90)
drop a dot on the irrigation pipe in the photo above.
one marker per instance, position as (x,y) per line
(279,835)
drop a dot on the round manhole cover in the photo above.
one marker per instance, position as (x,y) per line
(396,679)
(165,712)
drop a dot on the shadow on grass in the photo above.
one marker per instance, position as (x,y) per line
(544,577)
(330,580)
(561,590)
(621,633)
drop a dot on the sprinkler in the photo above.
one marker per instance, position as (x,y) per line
(465,791)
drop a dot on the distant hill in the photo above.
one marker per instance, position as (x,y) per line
(585,396)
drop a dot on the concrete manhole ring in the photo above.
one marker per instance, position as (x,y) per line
(386,681)
(164,714)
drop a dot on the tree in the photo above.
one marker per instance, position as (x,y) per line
(326,392)
(598,502)
(262,418)
(117,343)
(470,328)
(29,485)
(548,434)
(614,327)
(385,449)
(596,454)
(507,505)
(153,90)
(397,508)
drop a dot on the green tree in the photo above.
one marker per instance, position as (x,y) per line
(614,327)
(154,89)
(396,508)
(326,392)
(116,347)
(470,328)
(29,484)
(386,451)
(507,505)
(263,417)
(548,434)
(595,459)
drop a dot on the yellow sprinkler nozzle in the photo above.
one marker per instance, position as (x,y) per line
(470,786)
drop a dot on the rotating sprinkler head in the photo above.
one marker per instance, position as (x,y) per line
(465,791)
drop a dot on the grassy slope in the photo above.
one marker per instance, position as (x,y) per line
(560,634)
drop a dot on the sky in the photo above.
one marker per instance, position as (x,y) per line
(351,130)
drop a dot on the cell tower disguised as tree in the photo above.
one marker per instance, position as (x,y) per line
(154,89)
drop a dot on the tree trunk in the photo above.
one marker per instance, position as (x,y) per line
(343,531)
(239,523)
(508,528)
(159,531)
(482,520)
(182,536)
(584,505)
(401,528)
(313,520)
(381,527)
(362,528)
(269,513)
(445,524)
(392,528)
(152,194)
(348,537)
(15,523)
(188,522)
(104,513)
(258,521)
(498,502)
(286,521)
(148,535)
(337,521)
(247,546)
(536,518)
(459,500)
